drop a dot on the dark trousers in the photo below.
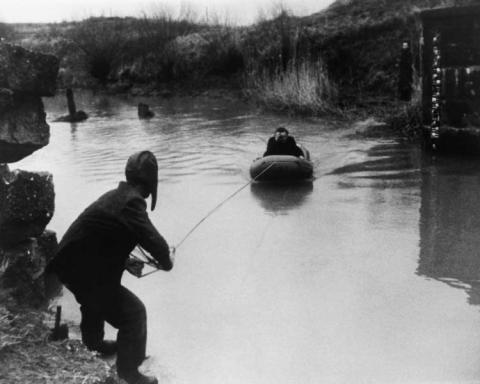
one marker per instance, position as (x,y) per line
(124,311)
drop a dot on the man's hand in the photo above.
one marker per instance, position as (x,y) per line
(135,267)
(172,255)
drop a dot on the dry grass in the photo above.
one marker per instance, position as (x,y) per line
(28,356)
(302,88)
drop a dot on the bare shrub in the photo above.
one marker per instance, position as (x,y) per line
(102,40)
(272,43)
(6,32)
(148,53)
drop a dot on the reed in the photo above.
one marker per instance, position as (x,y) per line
(303,88)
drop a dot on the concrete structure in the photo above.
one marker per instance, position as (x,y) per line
(451,78)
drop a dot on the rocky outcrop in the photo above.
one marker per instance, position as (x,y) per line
(27,72)
(26,205)
(26,198)
(23,128)
(6,99)
(25,77)
(22,269)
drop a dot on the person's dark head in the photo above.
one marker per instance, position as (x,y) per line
(281,134)
(142,171)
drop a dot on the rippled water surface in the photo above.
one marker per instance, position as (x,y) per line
(368,274)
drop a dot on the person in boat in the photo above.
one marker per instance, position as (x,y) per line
(281,143)
(93,254)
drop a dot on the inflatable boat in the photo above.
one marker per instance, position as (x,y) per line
(282,168)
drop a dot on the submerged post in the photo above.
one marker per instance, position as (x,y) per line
(72,109)
(58,317)
(73,116)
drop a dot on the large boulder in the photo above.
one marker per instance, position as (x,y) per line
(23,128)
(27,72)
(26,205)
(22,271)
(6,99)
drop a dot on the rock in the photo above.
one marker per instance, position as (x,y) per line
(6,99)
(48,243)
(144,111)
(23,269)
(27,72)
(23,129)
(371,128)
(4,171)
(26,205)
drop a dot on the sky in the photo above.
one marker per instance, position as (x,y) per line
(234,11)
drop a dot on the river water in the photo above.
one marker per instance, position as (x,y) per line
(368,274)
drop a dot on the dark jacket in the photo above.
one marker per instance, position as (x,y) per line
(96,246)
(289,147)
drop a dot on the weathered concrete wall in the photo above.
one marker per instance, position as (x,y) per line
(26,198)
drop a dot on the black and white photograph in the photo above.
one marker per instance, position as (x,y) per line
(240,192)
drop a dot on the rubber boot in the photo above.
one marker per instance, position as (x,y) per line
(105,348)
(135,377)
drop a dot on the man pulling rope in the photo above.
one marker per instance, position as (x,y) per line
(93,254)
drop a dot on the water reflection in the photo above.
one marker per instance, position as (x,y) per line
(280,198)
(73,129)
(450,223)
(392,165)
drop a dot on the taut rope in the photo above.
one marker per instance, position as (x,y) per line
(150,261)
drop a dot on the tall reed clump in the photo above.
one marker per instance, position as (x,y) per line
(303,88)
(283,72)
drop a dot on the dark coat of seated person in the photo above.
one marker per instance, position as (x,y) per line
(282,144)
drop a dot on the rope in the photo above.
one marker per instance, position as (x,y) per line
(150,261)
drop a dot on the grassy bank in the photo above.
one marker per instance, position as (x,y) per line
(29,357)
(341,58)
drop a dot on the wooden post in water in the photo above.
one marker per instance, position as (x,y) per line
(58,317)
(72,109)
